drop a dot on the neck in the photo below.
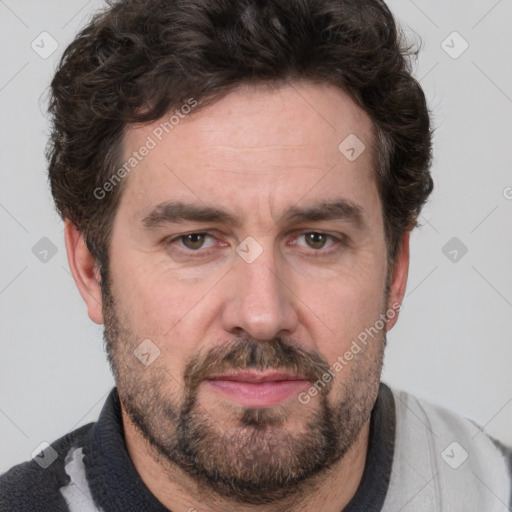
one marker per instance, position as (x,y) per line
(178,492)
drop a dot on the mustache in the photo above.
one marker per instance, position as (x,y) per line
(246,353)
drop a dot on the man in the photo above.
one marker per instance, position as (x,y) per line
(238,182)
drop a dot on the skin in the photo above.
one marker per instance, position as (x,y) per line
(256,152)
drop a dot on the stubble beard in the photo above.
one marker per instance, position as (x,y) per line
(257,460)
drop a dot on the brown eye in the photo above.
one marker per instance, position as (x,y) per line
(193,241)
(316,240)
(194,245)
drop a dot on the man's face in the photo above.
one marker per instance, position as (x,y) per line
(249,307)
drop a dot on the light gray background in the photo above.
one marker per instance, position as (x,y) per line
(452,344)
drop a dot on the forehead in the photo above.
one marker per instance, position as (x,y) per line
(256,144)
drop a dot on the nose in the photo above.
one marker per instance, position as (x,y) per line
(259,301)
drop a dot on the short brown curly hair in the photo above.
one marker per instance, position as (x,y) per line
(138,59)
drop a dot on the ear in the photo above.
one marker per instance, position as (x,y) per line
(84,270)
(398,280)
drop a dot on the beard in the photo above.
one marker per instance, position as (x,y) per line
(250,455)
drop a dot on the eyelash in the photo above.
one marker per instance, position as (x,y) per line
(198,253)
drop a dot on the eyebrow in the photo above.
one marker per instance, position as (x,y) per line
(174,212)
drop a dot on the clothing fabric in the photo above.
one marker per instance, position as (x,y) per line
(420,458)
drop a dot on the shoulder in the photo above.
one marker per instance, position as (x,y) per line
(34,485)
(445,460)
(418,418)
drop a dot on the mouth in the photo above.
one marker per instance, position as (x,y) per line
(258,389)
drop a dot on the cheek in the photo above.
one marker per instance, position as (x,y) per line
(346,305)
(164,311)
(152,303)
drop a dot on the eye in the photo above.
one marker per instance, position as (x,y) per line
(193,241)
(316,240)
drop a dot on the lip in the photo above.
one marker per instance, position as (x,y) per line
(257,377)
(258,389)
